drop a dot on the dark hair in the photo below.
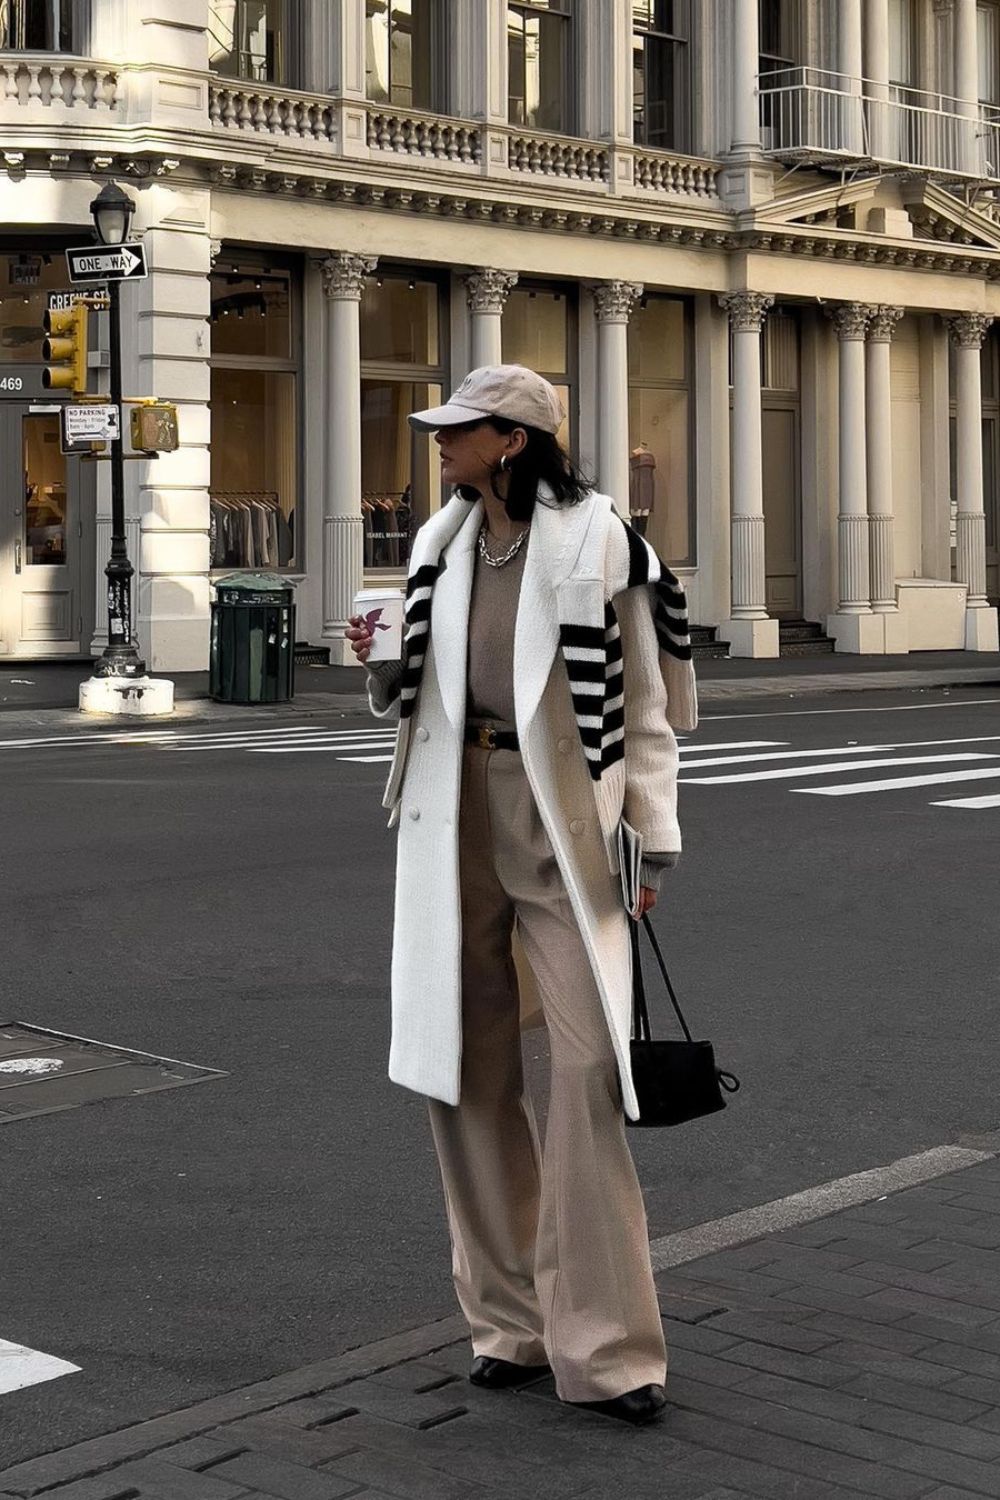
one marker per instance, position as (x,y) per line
(541,460)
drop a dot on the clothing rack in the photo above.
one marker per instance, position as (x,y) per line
(388,523)
(249,529)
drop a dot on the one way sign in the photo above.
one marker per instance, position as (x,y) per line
(108,263)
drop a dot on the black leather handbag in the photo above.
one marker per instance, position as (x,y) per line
(674,1081)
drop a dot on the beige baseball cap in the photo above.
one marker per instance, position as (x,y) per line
(510,391)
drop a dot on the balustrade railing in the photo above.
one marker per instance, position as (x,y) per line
(268,111)
(62,82)
(424,136)
(810,113)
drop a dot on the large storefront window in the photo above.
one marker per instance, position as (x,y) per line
(539,94)
(404,43)
(660,94)
(539,331)
(402,371)
(256,519)
(661,491)
(36,25)
(248,39)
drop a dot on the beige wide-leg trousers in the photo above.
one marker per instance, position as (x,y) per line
(550,1247)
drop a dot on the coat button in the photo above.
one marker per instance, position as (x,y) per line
(577,826)
(414,813)
(565,746)
(423,734)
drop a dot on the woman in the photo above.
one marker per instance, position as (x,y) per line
(533,702)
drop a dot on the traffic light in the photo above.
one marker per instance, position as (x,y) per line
(65,349)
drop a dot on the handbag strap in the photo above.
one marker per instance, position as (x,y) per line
(640,1008)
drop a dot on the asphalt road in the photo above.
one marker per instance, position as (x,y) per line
(231,908)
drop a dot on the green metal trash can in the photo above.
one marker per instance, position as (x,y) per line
(253,639)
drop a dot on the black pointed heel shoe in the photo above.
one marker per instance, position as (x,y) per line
(638,1407)
(501,1374)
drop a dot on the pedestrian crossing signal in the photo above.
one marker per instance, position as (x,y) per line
(64,349)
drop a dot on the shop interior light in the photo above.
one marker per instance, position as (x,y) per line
(112,212)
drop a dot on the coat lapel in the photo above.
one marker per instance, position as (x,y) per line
(450,613)
(562,544)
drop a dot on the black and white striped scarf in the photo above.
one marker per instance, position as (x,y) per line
(591,649)
(593,656)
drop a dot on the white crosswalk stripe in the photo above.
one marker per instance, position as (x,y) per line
(20,1367)
(736,763)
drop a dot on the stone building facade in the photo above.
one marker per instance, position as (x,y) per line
(755,242)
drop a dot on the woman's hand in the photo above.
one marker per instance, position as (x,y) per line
(360,637)
(647,900)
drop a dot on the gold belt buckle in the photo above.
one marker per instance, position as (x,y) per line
(487,737)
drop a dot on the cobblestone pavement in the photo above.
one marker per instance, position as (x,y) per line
(858,1355)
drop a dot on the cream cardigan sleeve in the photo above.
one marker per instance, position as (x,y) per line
(651,758)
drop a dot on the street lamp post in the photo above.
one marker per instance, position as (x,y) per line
(112,212)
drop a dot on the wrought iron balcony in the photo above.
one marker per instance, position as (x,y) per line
(812,116)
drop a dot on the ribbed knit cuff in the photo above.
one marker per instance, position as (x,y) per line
(652,866)
(384,678)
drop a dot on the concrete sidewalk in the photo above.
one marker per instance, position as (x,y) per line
(48,686)
(856,1355)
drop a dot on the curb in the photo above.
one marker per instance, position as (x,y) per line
(353,705)
(97,1455)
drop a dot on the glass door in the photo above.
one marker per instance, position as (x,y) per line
(39,540)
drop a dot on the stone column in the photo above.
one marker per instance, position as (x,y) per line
(343,529)
(967,334)
(882,572)
(849,64)
(876,70)
(743,56)
(965,44)
(749,630)
(486,292)
(613,302)
(853,627)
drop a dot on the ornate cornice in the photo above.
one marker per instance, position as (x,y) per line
(747,310)
(614,300)
(344,274)
(967,330)
(851,320)
(882,323)
(486,291)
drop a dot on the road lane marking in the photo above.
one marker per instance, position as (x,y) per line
(897,708)
(305,750)
(730,745)
(787,772)
(20,1367)
(367,760)
(992,800)
(855,788)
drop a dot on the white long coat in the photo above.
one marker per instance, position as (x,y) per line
(567,550)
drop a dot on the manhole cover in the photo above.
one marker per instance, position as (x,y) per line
(44,1071)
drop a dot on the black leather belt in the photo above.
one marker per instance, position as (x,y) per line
(488,738)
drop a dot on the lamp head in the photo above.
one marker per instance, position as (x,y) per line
(112,212)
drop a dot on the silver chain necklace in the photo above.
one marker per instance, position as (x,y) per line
(512,550)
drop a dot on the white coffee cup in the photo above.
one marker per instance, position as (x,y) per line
(382,611)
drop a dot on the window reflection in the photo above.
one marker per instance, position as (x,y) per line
(44,491)
(402,45)
(36,25)
(538,65)
(400,468)
(660,469)
(660,95)
(246,39)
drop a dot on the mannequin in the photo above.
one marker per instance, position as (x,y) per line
(641,486)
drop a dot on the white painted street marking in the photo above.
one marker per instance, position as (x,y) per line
(809,713)
(730,745)
(20,1367)
(305,750)
(787,772)
(368,760)
(721,760)
(855,788)
(992,800)
(31,1065)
